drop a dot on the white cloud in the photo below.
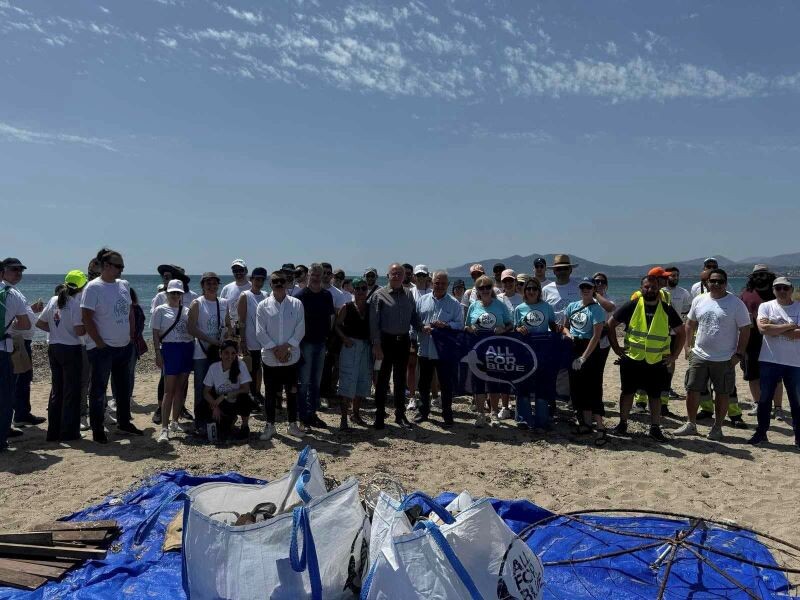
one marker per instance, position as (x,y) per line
(16,134)
(611,48)
(245,15)
(362,15)
(168,42)
(104,9)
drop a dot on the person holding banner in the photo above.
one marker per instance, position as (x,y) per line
(585,320)
(487,314)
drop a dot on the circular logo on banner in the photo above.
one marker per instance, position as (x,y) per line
(487,321)
(521,575)
(503,359)
(534,318)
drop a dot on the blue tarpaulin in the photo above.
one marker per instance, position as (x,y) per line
(131,571)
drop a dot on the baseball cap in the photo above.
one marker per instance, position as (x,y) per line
(508,273)
(657,272)
(421,269)
(459,283)
(539,262)
(586,282)
(339,274)
(259,272)
(175,285)
(288,268)
(782,281)
(239,262)
(760,268)
(477,268)
(710,259)
(75,279)
(372,270)
(498,267)
(209,275)
(523,278)
(13,262)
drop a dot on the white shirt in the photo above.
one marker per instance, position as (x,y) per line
(161,298)
(62,321)
(559,296)
(681,299)
(207,322)
(697,289)
(111,304)
(221,382)
(340,297)
(511,302)
(779,349)
(163,318)
(16,306)
(231,293)
(280,323)
(718,326)
(250,326)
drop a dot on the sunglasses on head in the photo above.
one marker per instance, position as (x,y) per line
(484,288)
(782,288)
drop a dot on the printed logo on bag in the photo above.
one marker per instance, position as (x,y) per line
(487,321)
(534,318)
(501,359)
(521,575)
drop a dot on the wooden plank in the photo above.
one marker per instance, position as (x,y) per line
(21,580)
(18,550)
(76,525)
(39,538)
(33,568)
(50,562)
(92,536)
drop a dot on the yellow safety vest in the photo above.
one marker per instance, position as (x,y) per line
(651,344)
(665,295)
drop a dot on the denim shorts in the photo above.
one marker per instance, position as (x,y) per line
(177,357)
(355,370)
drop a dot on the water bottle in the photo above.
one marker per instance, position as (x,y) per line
(211,430)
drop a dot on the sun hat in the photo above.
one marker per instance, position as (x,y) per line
(75,279)
(562,260)
(760,268)
(175,285)
(524,278)
(209,275)
(508,273)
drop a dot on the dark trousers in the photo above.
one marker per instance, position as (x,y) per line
(22,389)
(202,411)
(446,371)
(64,407)
(131,376)
(160,388)
(771,375)
(106,363)
(6,395)
(395,361)
(330,369)
(230,412)
(256,364)
(586,385)
(276,380)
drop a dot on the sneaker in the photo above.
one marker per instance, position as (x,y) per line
(504,414)
(317,422)
(175,427)
(523,425)
(412,405)
(14,432)
(779,415)
(753,412)
(657,434)
(243,433)
(758,438)
(436,403)
(110,419)
(481,420)
(186,415)
(269,431)
(494,421)
(164,436)
(704,414)
(85,424)
(29,420)
(323,403)
(715,433)
(687,428)
(294,430)
(129,428)
(673,395)
(157,416)
(641,409)
(621,428)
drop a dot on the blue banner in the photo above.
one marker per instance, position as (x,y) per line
(524,363)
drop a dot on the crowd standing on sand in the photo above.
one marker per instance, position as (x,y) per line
(319,335)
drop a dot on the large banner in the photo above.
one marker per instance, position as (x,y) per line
(525,363)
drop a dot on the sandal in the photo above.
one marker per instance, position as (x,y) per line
(600,438)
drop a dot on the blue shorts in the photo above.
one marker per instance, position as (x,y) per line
(177,357)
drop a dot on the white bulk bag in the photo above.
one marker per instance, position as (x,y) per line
(473,555)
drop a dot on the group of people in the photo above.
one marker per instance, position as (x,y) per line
(316,334)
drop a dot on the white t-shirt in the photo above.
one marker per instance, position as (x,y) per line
(16,306)
(231,293)
(62,321)
(27,334)
(250,326)
(340,297)
(779,349)
(472,294)
(221,382)
(111,303)
(161,298)
(718,326)
(559,296)
(163,318)
(511,301)
(681,299)
(207,322)
(697,289)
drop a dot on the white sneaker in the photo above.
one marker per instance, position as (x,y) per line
(436,403)
(687,428)
(494,421)
(323,403)
(504,413)
(715,433)
(753,412)
(175,427)
(110,419)
(269,431)
(294,430)
(164,437)
(85,424)
(480,420)
(412,405)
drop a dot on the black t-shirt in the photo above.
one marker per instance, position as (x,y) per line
(624,313)
(318,307)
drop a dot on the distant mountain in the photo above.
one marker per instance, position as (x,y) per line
(785,263)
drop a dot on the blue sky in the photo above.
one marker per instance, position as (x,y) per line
(295,130)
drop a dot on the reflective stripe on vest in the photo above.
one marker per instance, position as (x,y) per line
(646,344)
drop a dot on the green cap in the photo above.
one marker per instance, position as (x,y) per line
(358,281)
(75,279)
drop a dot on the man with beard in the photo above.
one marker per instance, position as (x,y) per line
(643,364)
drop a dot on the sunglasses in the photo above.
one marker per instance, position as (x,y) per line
(600,282)
(277,282)
(370,276)
(533,289)
(484,288)
(238,271)
(717,281)
(15,269)
(116,265)
(781,288)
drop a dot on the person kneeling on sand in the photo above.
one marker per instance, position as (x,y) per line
(225,388)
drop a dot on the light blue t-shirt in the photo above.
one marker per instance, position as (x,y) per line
(486,318)
(536,317)
(582,319)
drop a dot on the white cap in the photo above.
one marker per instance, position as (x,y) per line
(239,262)
(782,281)
(175,285)
(421,269)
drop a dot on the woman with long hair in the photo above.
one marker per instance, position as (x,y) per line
(225,389)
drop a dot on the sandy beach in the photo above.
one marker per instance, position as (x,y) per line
(731,480)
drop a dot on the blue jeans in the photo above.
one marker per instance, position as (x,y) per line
(542,417)
(6,396)
(22,389)
(771,375)
(310,378)
(106,363)
(202,411)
